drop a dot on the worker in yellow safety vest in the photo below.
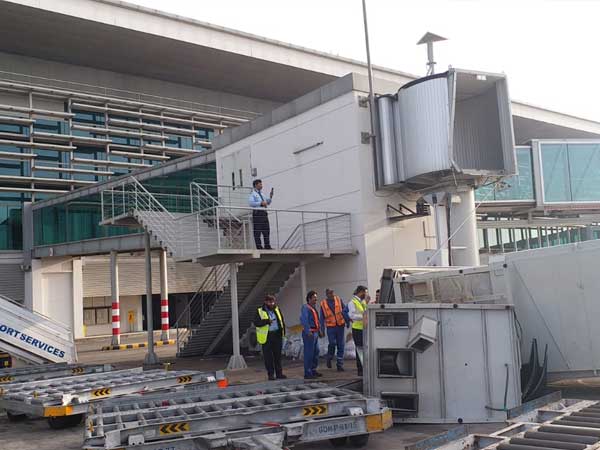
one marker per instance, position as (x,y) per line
(334,320)
(270,331)
(356,310)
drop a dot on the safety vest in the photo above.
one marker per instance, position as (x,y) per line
(262,332)
(317,326)
(360,306)
(333,318)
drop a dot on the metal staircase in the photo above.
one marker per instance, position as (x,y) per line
(212,333)
(215,228)
(33,337)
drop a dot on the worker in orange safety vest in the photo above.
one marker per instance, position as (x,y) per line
(334,319)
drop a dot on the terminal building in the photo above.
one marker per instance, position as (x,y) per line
(117,120)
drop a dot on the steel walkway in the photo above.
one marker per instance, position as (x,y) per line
(265,416)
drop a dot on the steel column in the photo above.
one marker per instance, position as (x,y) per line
(237,360)
(303,281)
(114,294)
(151,359)
(164,296)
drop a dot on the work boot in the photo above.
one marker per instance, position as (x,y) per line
(340,368)
(310,377)
(318,374)
(281,377)
(271,377)
(329,364)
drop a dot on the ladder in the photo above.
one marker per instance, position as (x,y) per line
(63,397)
(287,413)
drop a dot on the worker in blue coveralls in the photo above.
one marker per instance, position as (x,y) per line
(334,320)
(311,331)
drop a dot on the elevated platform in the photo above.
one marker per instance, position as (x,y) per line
(225,256)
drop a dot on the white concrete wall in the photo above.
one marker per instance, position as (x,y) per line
(128,303)
(336,175)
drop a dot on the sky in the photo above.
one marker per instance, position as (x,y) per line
(547,48)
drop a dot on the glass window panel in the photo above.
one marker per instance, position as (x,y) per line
(584,169)
(555,166)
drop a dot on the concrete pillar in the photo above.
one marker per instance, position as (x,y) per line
(463,229)
(237,360)
(164,297)
(77,292)
(303,282)
(114,295)
(151,359)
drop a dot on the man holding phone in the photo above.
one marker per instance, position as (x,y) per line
(260,218)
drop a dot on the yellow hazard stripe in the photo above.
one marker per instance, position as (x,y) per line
(315,410)
(172,428)
(379,422)
(58,411)
(137,345)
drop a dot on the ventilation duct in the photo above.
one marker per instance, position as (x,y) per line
(446,129)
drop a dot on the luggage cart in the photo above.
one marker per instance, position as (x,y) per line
(237,417)
(566,424)
(64,401)
(46,371)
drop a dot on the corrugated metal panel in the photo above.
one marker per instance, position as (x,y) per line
(183,277)
(12,281)
(477,144)
(506,127)
(386,150)
(424,115)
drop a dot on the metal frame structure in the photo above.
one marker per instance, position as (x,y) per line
(148,121)
(564,424)
(271,416)
(68,396)
(47,371)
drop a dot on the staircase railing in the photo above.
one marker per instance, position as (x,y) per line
(131,196)
(201,303)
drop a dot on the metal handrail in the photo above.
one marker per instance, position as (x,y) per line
(220,275)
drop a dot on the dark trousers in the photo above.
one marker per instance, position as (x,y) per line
(335,336)
(260,223)
(272,353)
(357,336)
(311,353)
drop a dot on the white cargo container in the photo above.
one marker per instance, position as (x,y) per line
(443,363)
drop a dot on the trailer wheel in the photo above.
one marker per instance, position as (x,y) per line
(12,417)
(360,440)
(338,442)
(59,423)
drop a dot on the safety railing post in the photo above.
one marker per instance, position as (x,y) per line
(303,231)
(218,228)
(327,230)
(102,204)
(277,230)
(112,203)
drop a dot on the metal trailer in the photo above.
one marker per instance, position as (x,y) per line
(47,371)
(64,401)
(443,363)
(260,416)
(565,424)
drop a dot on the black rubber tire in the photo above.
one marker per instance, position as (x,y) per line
(12,417)
(338,442)
(60,423)
(360,440)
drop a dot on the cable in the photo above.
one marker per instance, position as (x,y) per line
(473,211)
